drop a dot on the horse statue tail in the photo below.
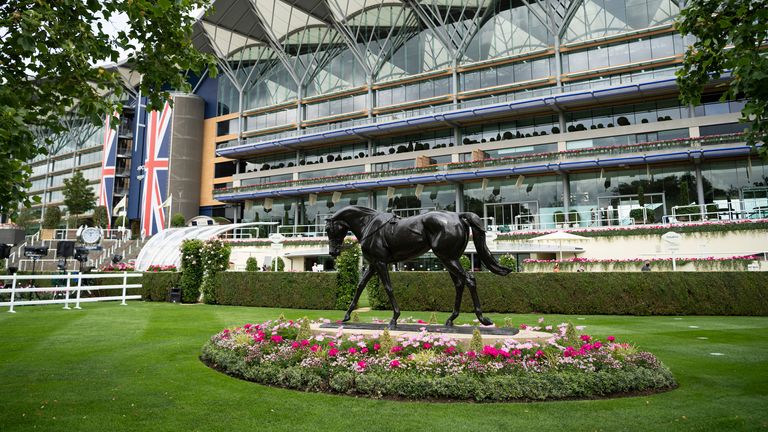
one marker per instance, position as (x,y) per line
(478,237)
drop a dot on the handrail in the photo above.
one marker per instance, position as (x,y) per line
(486,163)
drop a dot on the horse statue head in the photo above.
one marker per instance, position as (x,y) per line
(336,230)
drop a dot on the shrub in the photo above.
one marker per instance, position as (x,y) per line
(280,264)
(191,270)
(508,261)
(178,221)
(465,264)
(305,290)
(52,218)
(637,215)
(348,274)
(251,264)
(155,286)
(215,259)
(615,293)
(100,217)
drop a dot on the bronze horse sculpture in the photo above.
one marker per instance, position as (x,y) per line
(385,238)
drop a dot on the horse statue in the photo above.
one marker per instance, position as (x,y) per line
(386,238)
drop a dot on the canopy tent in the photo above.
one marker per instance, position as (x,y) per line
(560,237)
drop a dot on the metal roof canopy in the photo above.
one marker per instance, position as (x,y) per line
(164,248)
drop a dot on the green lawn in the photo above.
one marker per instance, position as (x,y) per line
(109,367)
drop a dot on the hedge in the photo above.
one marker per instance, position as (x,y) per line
(636,293)
(301,290)
(155,285)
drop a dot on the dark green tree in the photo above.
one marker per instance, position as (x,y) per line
(100,218)
(730,36)
(48,51)
(52,218)
(178,221)
(78,195)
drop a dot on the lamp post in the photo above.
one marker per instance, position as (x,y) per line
(140,177)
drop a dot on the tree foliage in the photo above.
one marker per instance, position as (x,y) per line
(48,51)
(100,217)
(348,275)
(52,218)
(178,221)
(729,37)
(78,194)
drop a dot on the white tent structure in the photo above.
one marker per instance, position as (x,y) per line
(164,247)
(560,237)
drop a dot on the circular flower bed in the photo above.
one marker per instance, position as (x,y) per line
(435,367)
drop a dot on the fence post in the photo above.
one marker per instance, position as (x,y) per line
(79,287)
(66,298)
(13,292)
(125,283)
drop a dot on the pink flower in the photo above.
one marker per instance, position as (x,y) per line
(315,348)
(585,338)
(304,342)
(450,350)
(539,353)
(396,349)
(332,352)
(471,354)
(331,344)
(295,345)
(362,364)
(611,338)
(376,347)
(597,345)
(276,338)
(523,326)
(541,320)
(427,345)
(352,351)
(421,322)
(394,364)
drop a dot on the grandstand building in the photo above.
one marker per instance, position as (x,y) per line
(533,114)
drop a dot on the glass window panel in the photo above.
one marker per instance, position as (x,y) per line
(522,71)
(618,54)
(640,50)
(598,58)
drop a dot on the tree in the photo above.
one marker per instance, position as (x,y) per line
(100,218)
(178,221)
(78,195)
(52,218)
(48,51)
(729,36)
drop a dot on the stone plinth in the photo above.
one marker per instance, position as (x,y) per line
(463,334)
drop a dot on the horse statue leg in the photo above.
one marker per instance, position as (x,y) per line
(455,268)
(458,283)
(383,272)
(367,273)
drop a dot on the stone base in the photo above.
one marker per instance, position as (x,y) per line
(463,334)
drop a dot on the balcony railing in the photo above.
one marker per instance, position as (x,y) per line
(566,155)
(472,103)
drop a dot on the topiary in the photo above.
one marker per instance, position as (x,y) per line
(251,264)
(348,274)
(304,331)
(178,221)
(385,342)
(465,264)
(191,270)
(509,261)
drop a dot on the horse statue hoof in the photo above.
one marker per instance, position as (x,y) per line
(392,325)
(449,323)
(346,318)
(485,321)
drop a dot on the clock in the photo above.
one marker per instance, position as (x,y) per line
(90,235)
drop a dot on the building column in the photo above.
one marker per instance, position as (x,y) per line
(700,188)
(459,197)
(566,196)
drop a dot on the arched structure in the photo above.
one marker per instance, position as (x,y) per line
(164,248)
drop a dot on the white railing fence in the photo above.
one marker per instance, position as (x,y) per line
(70,292)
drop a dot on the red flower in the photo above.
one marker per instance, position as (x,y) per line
(332,352)
(611,338)
(376,347)
(277,338)
(396,349)
(394,364)
(427,345)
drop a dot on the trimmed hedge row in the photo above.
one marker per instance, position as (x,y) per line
(654,293)
(308,290)
(155,285)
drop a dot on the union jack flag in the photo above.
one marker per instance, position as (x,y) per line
(155,190)
(109,155)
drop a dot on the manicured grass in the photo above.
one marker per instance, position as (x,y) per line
(135,367)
